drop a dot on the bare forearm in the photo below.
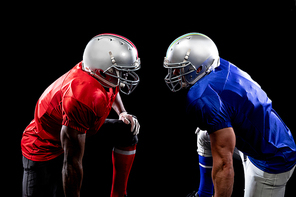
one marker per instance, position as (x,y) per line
(118,105)
(73,144)
(72,178)
(222,145)
(223,180)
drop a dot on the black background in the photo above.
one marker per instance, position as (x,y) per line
(44,40)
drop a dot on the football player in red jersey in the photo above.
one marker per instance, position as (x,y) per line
(76,105)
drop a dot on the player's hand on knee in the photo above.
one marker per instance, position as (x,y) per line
(130,119)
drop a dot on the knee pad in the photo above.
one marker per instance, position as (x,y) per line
(206,187)
(203,144)
(120,133)
(126,140)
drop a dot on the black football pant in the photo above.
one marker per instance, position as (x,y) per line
(44,178)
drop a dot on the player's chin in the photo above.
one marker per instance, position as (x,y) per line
(185,85)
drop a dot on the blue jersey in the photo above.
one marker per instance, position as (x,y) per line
(228,97)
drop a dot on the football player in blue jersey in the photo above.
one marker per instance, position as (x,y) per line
(232,113)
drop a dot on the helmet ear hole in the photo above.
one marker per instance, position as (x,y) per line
(102,74)
(198,70)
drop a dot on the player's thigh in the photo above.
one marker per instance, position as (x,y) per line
(41,178)
(204,144)
(261,184)
(119,133)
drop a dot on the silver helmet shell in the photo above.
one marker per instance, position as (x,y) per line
(113,60)
(189,58)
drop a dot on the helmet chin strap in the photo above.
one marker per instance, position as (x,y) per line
(122,85)
(185,84)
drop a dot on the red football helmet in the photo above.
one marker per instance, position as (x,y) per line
(113,60)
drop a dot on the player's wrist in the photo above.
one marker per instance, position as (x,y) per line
(122,113)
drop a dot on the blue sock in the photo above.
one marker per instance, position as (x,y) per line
(206,187)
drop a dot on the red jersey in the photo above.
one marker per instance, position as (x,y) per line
(76,100)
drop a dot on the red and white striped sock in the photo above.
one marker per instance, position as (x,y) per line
(122,158)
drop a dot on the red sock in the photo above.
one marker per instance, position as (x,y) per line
(122,159)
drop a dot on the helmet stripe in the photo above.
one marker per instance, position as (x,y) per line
(183,36)
(124,38)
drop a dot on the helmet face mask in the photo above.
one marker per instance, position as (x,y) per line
(177,72)
(112,60)
(124,76)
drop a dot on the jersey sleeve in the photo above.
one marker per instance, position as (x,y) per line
(77,115)
(209,112)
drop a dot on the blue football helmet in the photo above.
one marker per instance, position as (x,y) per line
(189,58)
